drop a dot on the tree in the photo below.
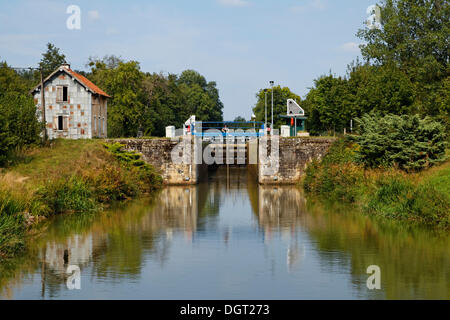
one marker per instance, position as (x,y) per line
(19,126)
(201,97)
(124,84)
(280,97)
(51,60)
(414,38)
(408,141)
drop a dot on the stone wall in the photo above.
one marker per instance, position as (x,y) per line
(157,152)
(294,156)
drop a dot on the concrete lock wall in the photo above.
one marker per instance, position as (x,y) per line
(294,155)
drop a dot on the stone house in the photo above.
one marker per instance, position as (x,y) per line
(75,108)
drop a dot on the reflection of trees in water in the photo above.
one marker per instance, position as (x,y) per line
(113,243)
(413,261)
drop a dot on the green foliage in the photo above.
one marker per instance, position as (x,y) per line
(12,227)
(51,60)
(145,172)
(406,141)
(146,103)
(387,192)
(19,126)
(280,96)
(71,194)
(406,70)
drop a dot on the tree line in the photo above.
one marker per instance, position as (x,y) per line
(405,71)
(142,103)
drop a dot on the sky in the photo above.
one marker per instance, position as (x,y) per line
(239,44)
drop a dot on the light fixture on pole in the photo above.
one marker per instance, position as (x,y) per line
(265,110)
(271,126)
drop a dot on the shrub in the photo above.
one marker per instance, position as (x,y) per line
(12,227)
(405,141)
(147,177)
(71,194)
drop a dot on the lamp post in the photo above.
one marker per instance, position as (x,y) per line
(265,109)
(271,126)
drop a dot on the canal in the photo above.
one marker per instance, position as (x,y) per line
(229,239)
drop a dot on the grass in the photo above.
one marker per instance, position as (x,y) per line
(422,197)
(67,176)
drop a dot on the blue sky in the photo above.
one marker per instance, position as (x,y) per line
(240,44)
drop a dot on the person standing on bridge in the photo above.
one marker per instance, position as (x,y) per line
(225,130)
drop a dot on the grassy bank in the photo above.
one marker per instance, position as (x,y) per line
(422,197)
(67,176)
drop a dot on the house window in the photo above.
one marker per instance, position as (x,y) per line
(60,123)
(62,94)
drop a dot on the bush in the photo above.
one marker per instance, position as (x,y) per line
(408,142)
(67,195)
(147,177)
(12,227)
(19,126)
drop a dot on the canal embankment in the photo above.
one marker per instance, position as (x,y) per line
(418,196)
(66,177)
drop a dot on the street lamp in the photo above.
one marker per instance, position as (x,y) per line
(265,109)
(271,127)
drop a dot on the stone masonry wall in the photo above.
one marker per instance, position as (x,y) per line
(294,156)
(157,152)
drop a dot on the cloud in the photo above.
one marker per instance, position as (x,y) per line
(233,3)
(350,47)
(93,15)
(312,5)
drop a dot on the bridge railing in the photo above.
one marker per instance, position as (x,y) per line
(229,129)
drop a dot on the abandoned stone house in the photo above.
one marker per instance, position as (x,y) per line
(75,108)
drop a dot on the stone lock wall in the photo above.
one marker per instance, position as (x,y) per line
(157,152)
(294,156)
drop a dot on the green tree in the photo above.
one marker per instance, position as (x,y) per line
(414,37)
(201,97)
(19,126)
(408,141)
(280,97)
(51,60)
(125,84)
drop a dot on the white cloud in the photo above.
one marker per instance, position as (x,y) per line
(93,15)
(233,3)
(311,5)
(350,47)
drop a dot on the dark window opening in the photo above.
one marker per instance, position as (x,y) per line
(60,122)
(65,92)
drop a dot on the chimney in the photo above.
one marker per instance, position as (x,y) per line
(65,65)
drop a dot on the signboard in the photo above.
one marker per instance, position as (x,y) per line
(293,109)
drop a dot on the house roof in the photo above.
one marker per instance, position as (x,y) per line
(81,79)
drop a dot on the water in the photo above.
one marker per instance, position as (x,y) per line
(230,240)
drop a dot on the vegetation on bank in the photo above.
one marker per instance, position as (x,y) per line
(412,183)
(67,176)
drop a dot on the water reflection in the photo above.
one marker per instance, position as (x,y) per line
(229,238)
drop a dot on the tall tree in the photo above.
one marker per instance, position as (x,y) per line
(202,97)
(280,96)
(51,60)
(414,36)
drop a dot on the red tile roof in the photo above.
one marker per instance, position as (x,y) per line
(87,83)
